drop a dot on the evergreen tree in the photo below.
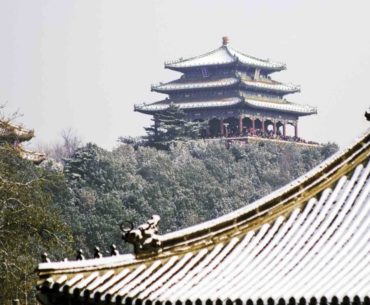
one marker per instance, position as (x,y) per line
(30,223)
(171,125)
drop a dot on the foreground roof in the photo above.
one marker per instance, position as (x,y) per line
(307,240)
(224,55)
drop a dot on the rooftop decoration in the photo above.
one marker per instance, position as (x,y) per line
(233,93)
(145,237)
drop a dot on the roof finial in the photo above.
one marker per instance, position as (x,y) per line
(225,40)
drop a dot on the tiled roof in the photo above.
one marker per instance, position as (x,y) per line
(224,82)
(222,56)
(273,86)
(203,84)
(209,103)
(254,102)
(277,105)
(11,131)
(310,239)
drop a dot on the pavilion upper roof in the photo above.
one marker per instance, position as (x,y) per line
(309,239)
(262,85)
(182,85)
(224,55)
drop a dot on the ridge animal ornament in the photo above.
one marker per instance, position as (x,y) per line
(145,237)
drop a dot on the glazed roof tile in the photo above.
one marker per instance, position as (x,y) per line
(282,105)
(273,86)
(201,84)
(251,101)
(181,85)
(308,239)
(209,103)
(222,56)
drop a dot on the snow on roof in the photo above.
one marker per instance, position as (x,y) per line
(203,84)
(221,56)
(277,105)
(272,86)
(254,61)
(223,82)
(189,105)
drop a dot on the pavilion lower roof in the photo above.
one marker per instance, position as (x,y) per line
(248,100)
(192,104)
(310,239)
(182,85)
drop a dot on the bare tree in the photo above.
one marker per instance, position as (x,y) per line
(65,148)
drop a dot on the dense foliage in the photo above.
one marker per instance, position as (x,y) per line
(30,223)
(169,126)
(190,182)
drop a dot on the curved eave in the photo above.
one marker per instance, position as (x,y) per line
(254,62)
(156,107)
(226,56)
(265,68)
(301,110)
(271,87)
(180,87)
(237,63)
(184,68)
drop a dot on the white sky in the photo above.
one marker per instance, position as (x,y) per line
(83,64)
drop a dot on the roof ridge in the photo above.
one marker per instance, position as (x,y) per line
(247,55)
(181,60)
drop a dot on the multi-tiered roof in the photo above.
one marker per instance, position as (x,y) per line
(307,243)
(225,78)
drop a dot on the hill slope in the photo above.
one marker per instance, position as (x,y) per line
(191,182)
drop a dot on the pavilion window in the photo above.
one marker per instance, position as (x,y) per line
(205,72)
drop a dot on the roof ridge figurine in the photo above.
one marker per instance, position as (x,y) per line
(145,237)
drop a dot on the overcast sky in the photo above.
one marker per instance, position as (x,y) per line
(83,64)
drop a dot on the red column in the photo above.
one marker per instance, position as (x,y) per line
(253,124)
(263,124)
(221,127)
(274,127)
(207,130)
(284,128)
(240,126)
(296,129)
